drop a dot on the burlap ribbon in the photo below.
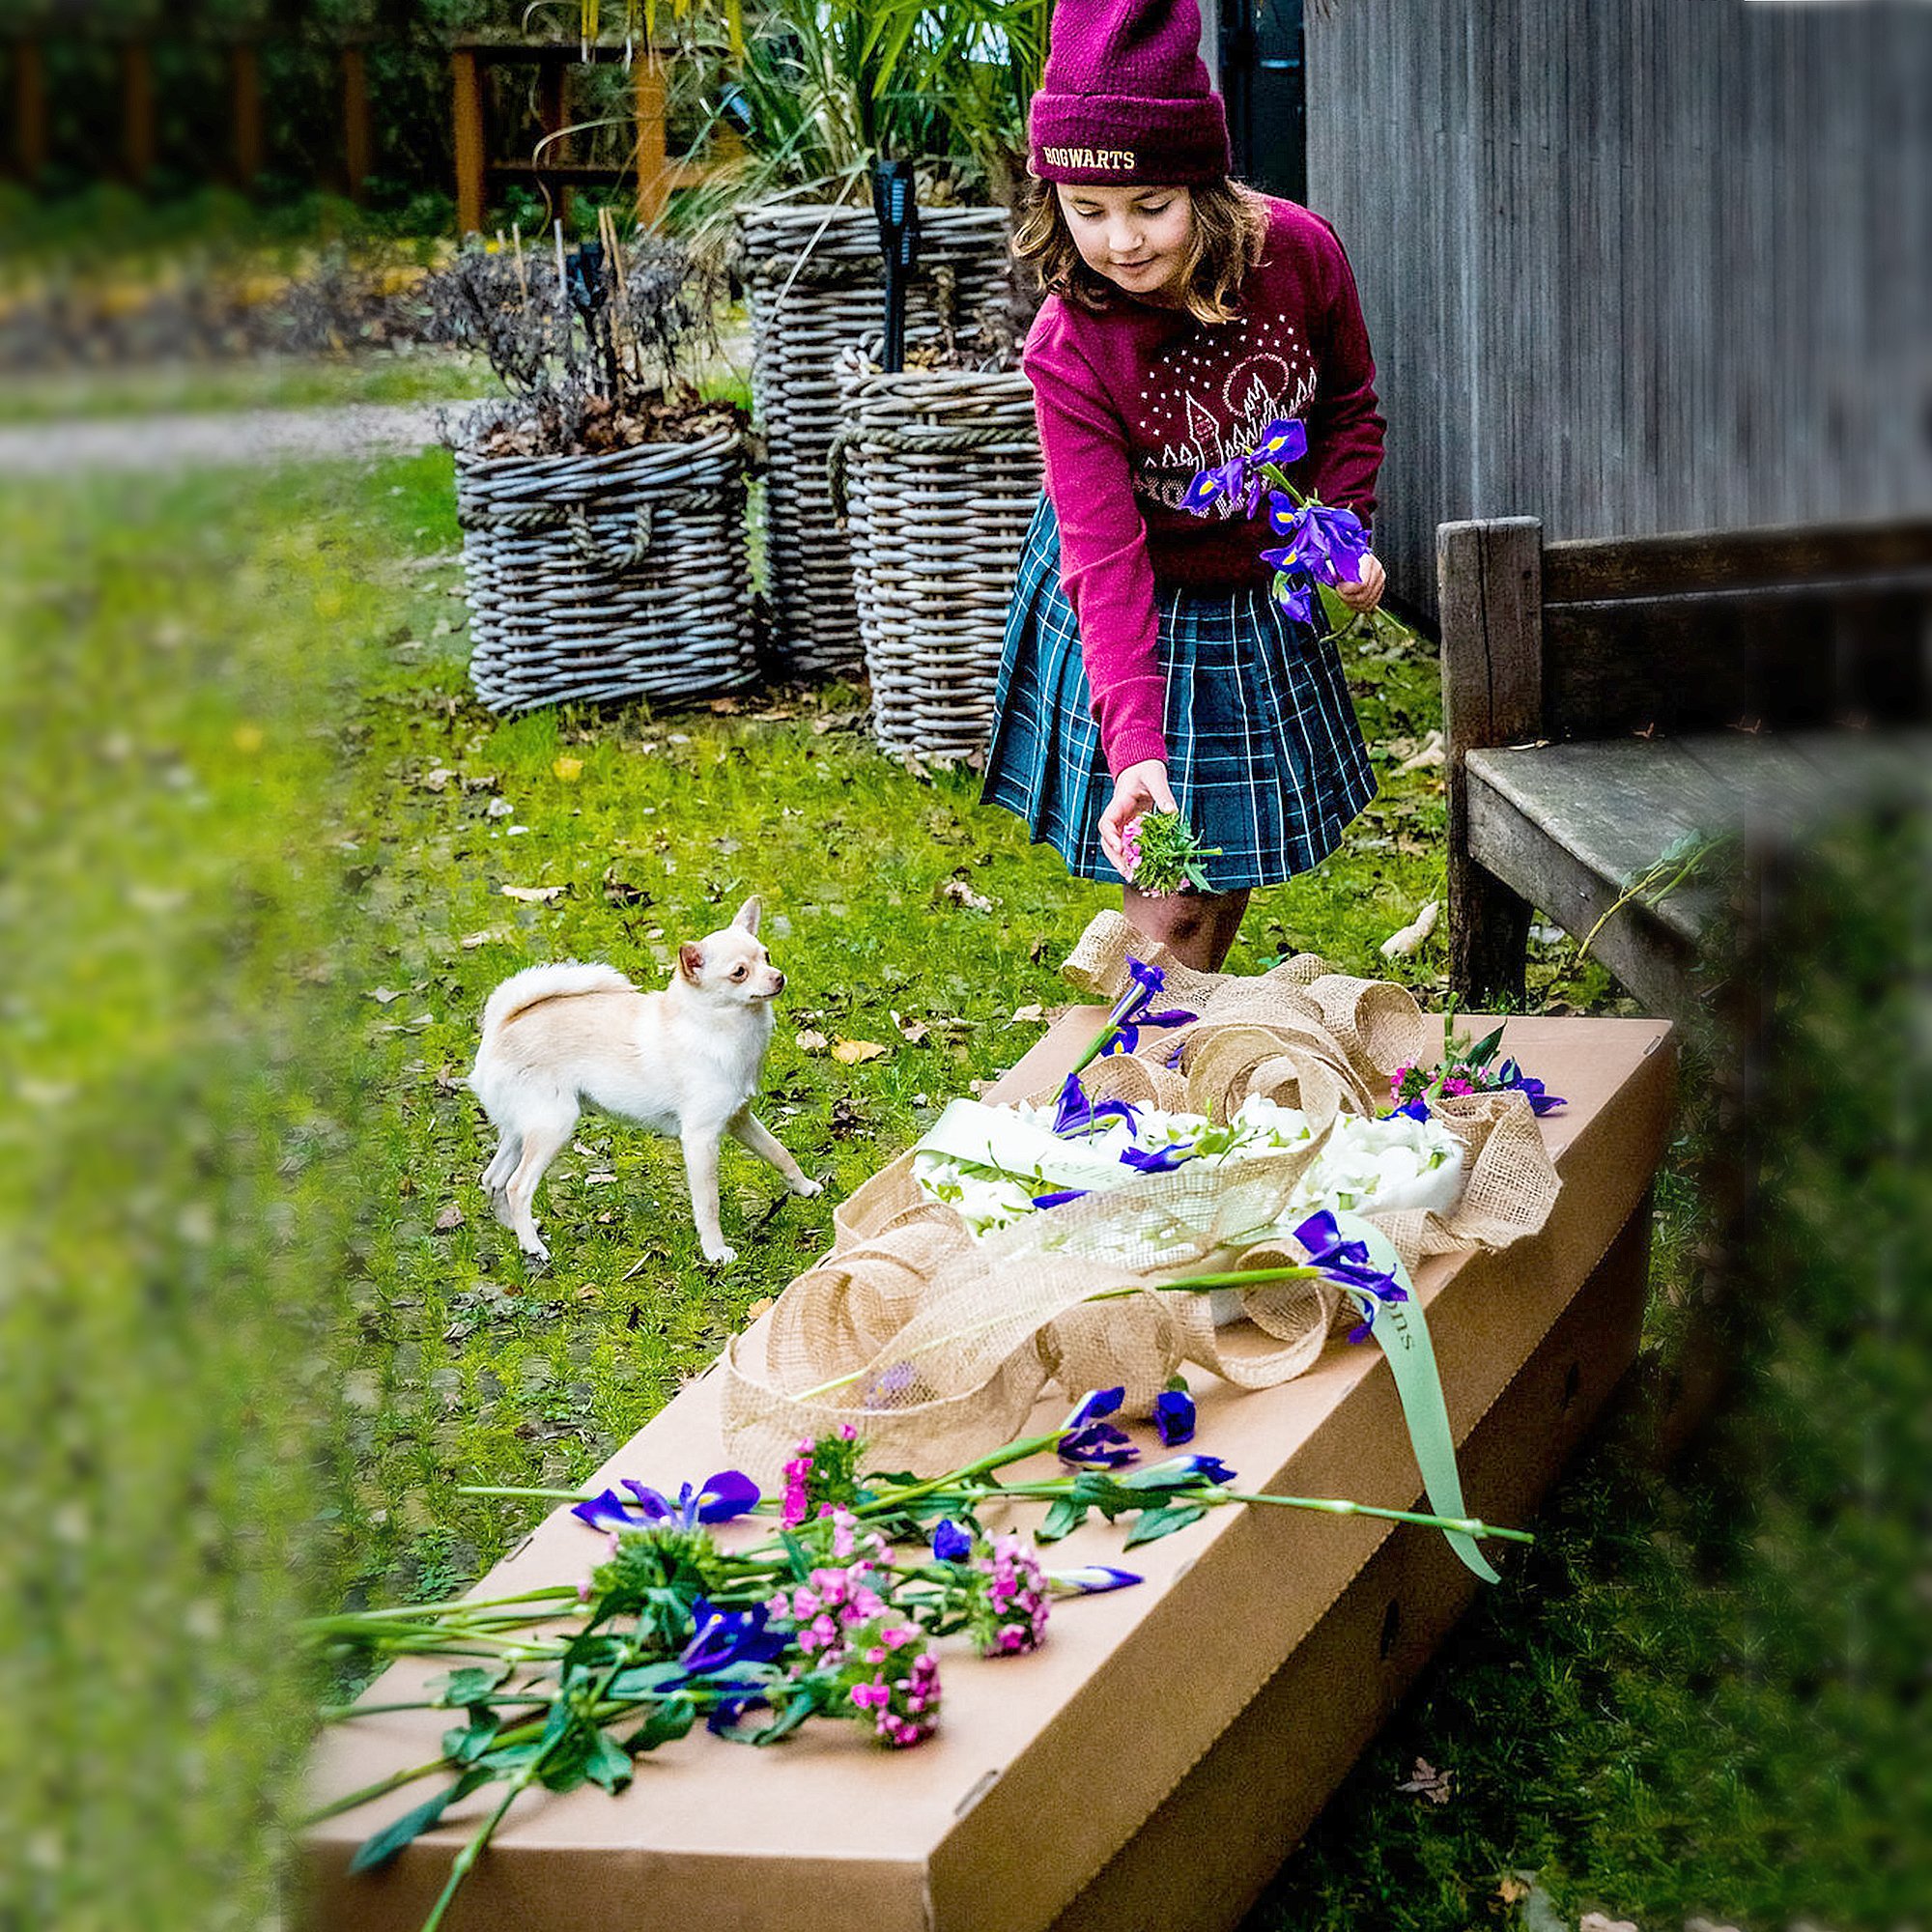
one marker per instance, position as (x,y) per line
(935,1345)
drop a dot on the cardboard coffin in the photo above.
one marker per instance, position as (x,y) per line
(1156,1759)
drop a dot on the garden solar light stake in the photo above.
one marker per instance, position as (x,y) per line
(894,201)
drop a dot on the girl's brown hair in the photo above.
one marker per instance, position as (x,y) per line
(1229,231)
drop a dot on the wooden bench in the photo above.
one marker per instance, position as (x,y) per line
(1605,698)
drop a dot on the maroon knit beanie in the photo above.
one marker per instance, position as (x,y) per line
(1125,97)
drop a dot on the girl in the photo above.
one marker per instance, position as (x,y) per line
(1145,664)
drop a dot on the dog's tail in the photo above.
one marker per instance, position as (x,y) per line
(547,982)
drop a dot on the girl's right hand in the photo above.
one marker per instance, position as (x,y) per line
(1140,788)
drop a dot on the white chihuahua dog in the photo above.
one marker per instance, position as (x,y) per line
(683,1062)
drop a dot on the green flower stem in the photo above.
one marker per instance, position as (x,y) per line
(499,1489)
(459,1869)
(395,1780)
(337,1714)
(1327,1505)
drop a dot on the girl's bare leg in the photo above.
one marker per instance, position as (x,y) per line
(1196,927)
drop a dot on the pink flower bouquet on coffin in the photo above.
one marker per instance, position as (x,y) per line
(1325,545)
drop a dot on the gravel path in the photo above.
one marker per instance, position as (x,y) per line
(217,439)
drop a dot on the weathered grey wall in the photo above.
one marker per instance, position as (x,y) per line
(1634,266)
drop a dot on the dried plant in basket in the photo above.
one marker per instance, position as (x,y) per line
(597,347)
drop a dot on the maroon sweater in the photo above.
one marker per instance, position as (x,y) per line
(1133,402)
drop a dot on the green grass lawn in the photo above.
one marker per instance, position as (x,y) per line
(261,1324)
(262,382)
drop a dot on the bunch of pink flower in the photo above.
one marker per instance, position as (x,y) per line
(833,1602)
(1131,847)
(822,1472)
(896,1681)
(1010,1613)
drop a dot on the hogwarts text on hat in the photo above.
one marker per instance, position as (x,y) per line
(1117,160)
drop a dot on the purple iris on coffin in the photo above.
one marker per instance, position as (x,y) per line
(1077,1114)
(1349,1264)
(1093,1579)
(1094,1444)
(1180,1472)
(724,1637)
(1130,1011)
(951,1544)
(1541,1101)
(728,1494)
(1174,1417)
(1159,1161)
(1413,1110)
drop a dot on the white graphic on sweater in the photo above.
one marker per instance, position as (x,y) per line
(1210,396)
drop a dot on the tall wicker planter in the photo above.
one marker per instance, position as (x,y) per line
(940,469)
(816,285)
(606,577)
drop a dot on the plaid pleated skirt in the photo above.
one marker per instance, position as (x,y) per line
(1264,755)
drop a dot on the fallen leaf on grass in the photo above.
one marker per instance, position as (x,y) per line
(761,1306)
(961,893)
(854,1052)
(846,1120)
(810,1041)
(1427,756)
(567,768)
(533,895)
(836,720)
(498,807)
(1513,1887)
(492,935)
(383,995)
(1426,1781)
(724,707)
(1028,1015)
(450,1217)
(619,891)
(913,1031)
(1401,944)
(436,779)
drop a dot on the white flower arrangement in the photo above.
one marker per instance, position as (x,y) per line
(996,1164)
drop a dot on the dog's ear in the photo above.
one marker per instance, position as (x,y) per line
(748,914)
(691,961)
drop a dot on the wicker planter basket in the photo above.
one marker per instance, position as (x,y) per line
(817,287)
(605,577)
(939,470)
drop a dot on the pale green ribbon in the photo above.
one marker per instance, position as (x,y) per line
(1404,1334)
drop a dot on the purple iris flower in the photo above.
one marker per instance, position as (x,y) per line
(1283,440)
(1347,1263)
(1414,1110)
(1093,1579)
(1297,600)
(1077,1114)
(728,1494)
(1180,1472)
(1541,1101)
(1162,1160)
(724,1637)
(729,1709)
(951,1544)
(1174,1417)
(1062,1198)
(1093,1442)
(1097,1402)
(1328,543)
(1229,480)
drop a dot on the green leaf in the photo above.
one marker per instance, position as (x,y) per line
(1153,1525)
(797,1555)
(1485,1050)
(470,1685)
(383,1845)
(512,1758)
(607,1764)
(642,1679)
(467,1745)
(1065,1516)
(794,1713)
(669,1721)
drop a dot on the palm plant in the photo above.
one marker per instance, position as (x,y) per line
(822,88)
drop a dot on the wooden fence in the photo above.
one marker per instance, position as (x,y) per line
(1636,266)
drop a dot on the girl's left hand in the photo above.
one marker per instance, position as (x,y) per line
(1365,592)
